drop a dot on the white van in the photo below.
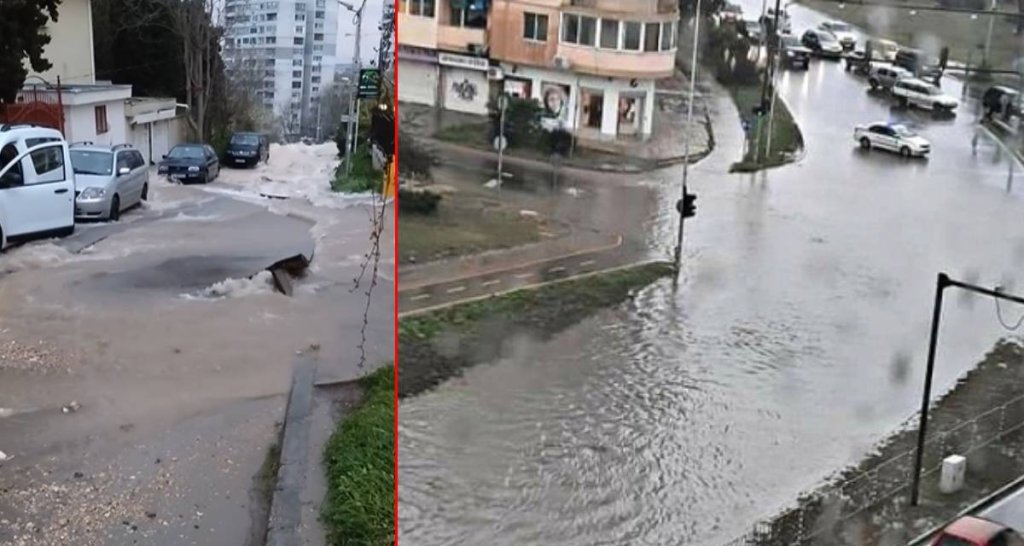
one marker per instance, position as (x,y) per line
(37,184)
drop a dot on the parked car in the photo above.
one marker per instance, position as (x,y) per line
(915,92)
(108,180)
(1001,101)
(822,44)
(752,30)
(731,13)
(190,163)
(975,531)
(891,137)
(884,76)
(248,149)
(794,55)
(917,62)
(37,187)
(842,32)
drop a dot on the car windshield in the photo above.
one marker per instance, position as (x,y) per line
(826,37)
(245,140)
(92,162)
(932,90)
(790,41)
(186,152)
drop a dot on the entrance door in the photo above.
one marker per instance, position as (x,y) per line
(593,109)
(631,109)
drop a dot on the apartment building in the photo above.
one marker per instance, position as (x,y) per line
(592,64)
(288,48)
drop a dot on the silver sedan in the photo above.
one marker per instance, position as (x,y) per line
(108,180)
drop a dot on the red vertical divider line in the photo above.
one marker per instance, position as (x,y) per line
(394,203)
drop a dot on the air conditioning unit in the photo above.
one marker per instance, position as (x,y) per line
(562,63)
(495,73)
(477,49)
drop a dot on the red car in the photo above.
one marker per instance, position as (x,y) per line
(972,531)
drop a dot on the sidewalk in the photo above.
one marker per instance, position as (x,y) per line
(665,147)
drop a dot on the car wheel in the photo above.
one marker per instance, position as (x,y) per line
(115,209)
(145,192)
(905,151)
(874,84)
(904,103)
(865,143)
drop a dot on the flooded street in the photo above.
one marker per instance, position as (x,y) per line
(169,327)
(795,340)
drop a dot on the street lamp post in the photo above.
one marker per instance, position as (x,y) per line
(352,127)
(678,253)
(941,284)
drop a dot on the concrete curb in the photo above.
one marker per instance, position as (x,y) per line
(286,501)
(580,252)
(535,286)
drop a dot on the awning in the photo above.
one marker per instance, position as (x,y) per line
(156,115)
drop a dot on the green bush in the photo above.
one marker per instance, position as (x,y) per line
(413,160)
(522,122)
(363,177)
(418,201)
(339,138)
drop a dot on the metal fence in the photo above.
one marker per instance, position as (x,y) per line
(867,502)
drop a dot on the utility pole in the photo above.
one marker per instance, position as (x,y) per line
(988,37)
(941,284)
(678,254)
(352,127)
(502,106)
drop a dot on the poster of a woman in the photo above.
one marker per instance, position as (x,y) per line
(556,100)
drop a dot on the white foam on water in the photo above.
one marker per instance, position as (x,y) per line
(260,283)
(34,256)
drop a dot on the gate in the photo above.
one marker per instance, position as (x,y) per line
(39,104)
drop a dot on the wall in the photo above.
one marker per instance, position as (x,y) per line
(417,31)
(80,123)
(70,48)
(417,82)
(506,32)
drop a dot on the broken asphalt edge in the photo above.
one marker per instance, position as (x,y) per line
(285,502)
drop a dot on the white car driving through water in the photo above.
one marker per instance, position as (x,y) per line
(892,137)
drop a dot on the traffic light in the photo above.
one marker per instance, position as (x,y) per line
(687,206)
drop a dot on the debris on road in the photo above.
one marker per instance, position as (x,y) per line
(72,407)
(4,456)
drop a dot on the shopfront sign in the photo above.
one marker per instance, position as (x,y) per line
(462,61)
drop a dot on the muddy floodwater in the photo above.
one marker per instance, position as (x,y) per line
(795,341)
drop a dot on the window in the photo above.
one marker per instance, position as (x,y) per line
(315,89)
(296,94)
(320,3)
(296,73)
(314,79)
(571,28)
(318,26)
(296,62)
(13,176)
(300,16)
(318,37)
(300,6)
(123,162)
(610,33)
(423,8)
(651,36)
(268,62)
(317,59)
(271,17)
(588,31)
(268,73)
(101,120)
(535,27)
(318,48)
(299,29)
(318,14)
(666,36)
(316,69)
(48,163)
(271,40)
(296,85)
(631,38)
(297,40)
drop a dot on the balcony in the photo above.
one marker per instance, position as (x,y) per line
(633,7)
(616,63)
(417,31)
(462,39)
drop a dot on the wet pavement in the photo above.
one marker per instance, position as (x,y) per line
(169,336)
(795,340)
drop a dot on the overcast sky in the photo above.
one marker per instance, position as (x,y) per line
(371,35)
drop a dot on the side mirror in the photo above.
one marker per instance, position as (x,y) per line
(165,156)
(123,171)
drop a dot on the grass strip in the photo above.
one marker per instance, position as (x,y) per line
(436,346)
(786,139)
(359,461)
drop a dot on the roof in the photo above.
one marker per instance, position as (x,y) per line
(975,529)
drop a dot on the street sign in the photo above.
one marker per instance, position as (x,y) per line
(500,143)
(369,83)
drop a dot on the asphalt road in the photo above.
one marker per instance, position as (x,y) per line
(794,342)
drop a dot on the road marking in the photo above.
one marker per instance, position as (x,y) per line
(419,297)
(492,283)
(524,275)
(558,269)
(457,289)
(587,263)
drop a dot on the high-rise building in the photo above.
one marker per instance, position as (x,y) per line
(288,49)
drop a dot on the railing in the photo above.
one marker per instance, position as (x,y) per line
(821,515)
